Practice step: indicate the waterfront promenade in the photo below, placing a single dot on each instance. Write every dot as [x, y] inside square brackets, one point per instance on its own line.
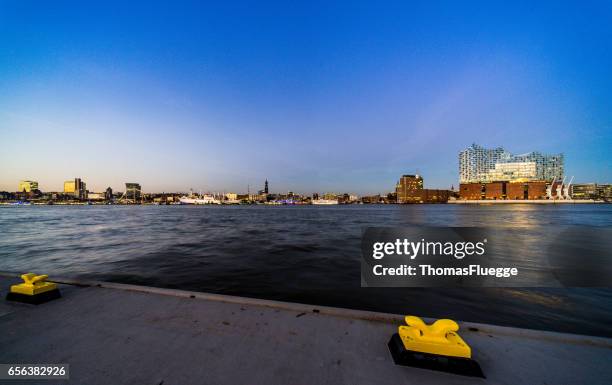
[125, 334]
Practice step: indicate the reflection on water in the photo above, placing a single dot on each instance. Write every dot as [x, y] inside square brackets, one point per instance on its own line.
[302, 254]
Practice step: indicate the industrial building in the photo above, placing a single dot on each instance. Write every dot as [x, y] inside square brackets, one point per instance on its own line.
[503, 190]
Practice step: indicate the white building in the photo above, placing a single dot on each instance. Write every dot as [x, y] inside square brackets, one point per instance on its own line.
[478, 164]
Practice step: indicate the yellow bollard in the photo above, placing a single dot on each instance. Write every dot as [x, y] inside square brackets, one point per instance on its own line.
[34, 289]
[436, 346]
[439, 338]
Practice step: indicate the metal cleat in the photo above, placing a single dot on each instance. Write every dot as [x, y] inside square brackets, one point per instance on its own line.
[34, 289]
[436, 346]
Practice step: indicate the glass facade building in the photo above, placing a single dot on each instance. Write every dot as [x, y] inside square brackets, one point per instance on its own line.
[476, 161]
[547, 167]
[478, 164]
[133, 192]
[592, 191]
[27, 186]
[76, 187]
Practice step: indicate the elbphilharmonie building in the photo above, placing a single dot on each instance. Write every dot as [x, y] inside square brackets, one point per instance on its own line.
[480, 165]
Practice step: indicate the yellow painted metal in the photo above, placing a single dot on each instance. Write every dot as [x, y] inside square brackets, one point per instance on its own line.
[438, 338]
[33, 284]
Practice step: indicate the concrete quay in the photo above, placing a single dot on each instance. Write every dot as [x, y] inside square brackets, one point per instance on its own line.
[124, 334]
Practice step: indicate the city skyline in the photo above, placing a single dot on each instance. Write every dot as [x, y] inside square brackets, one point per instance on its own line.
[476, 164]
[220, 97]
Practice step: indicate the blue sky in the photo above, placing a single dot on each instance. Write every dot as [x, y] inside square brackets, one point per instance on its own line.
[340, 97]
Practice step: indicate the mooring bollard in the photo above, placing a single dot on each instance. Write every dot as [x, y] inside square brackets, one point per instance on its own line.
[436, 346]
[35, 289]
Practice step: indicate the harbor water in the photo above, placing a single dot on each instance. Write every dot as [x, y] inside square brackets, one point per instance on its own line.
[307, 254]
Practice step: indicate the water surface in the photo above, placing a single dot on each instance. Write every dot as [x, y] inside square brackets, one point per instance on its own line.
[308, 254]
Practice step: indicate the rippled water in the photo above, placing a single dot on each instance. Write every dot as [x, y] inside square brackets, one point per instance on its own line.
[308, 254]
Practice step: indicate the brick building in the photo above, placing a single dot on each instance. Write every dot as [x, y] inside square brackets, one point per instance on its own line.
[503, 190]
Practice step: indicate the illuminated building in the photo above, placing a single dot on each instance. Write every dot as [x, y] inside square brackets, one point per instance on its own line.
[409, 189]
[478, 164]
[76, 187]
[513, 171]
[584, 191]
[476, 161]
[503, 190]
[547, 167]
[604, 191]
[69, 187]
[27, 186]
[592, 191]
[96, 196]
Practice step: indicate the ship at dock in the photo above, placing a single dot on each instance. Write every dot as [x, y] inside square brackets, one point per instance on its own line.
[324, 201]
[192, 199]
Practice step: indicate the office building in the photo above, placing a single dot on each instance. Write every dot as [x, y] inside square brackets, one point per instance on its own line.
[27, 186]
[604, 192]
[585, 191]
[108, 194]
[409, 189]
[76, 188]
[593, 191]
[96, 196]
[133, 192]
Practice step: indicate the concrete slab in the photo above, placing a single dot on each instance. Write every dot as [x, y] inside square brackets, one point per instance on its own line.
[124, 334]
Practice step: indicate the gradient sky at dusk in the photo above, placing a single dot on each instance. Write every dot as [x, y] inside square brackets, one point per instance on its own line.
[314, 97]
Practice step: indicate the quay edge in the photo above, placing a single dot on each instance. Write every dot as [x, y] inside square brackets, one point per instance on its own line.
[116, 333]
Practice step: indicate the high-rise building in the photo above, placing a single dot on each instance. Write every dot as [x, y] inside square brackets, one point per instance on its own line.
[69, 187]
[409, 189]
[479, 165]
[76, 187]
[266, 191]
[547, 167]
[27, 186]
[476, 161]
[133, 192]
[108, 194]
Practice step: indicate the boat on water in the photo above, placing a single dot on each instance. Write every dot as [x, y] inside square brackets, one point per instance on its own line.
[203, 200]
[21, 203]
[324, 201]
[193, 199]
